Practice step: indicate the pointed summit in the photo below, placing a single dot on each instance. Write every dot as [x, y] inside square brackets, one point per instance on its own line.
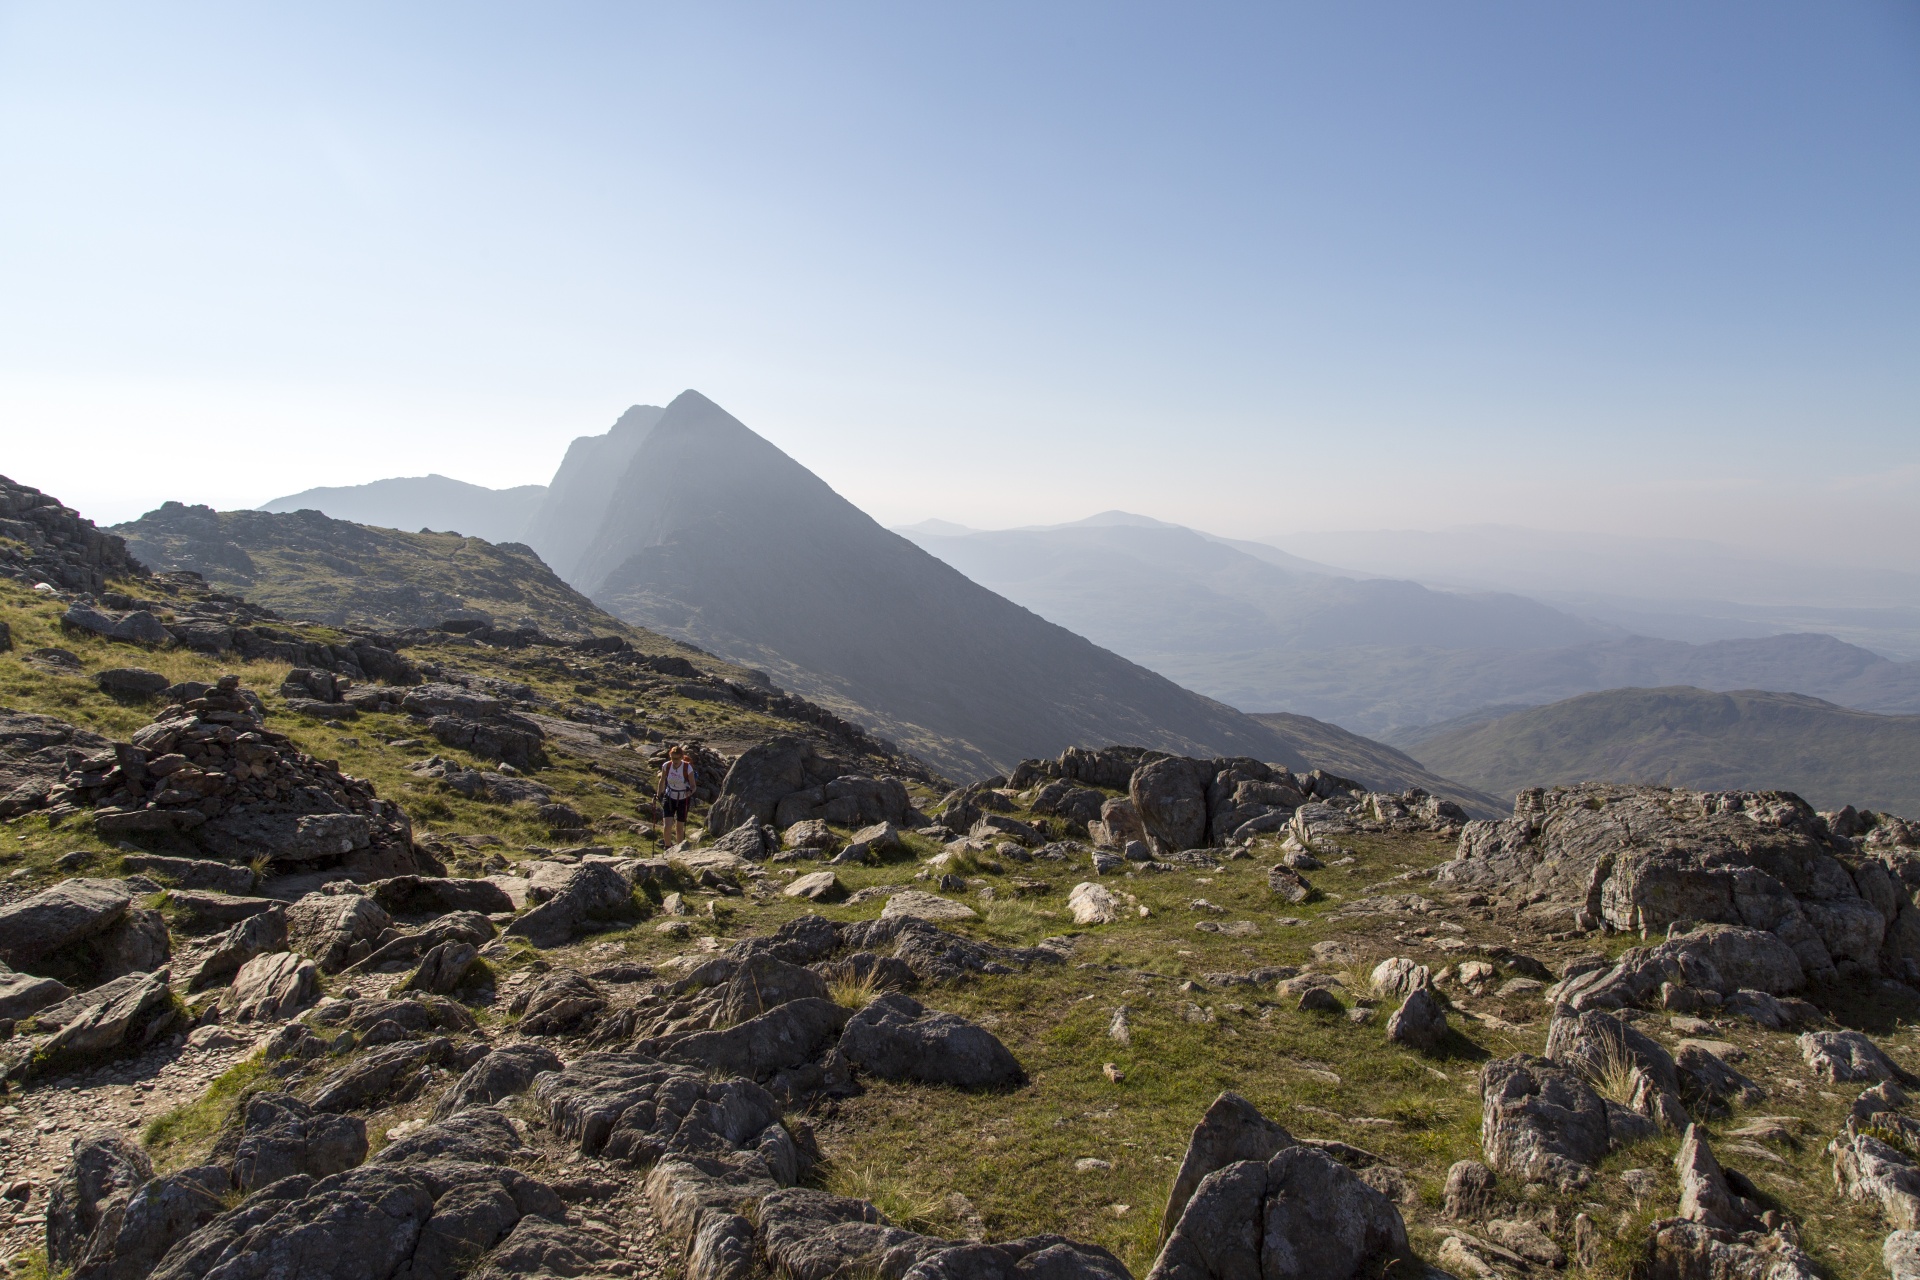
[570, 514]
[716, 536]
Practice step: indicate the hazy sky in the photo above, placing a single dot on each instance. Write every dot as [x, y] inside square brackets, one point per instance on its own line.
[1639, 267]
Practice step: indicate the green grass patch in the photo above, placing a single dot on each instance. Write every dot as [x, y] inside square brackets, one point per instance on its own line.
[177, 1138]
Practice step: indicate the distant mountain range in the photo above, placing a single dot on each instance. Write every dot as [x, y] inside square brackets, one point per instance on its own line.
[432, 502]
[1258, 629]
[1830, 755]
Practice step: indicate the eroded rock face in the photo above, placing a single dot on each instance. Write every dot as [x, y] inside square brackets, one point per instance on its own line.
[116, 1017]
[762, 982]
[789, 1035]
[563, 1001]
[503, 1073]
[1643, 858]
[635, 1108]
[1540, 1122]
[897, 1038]
[334, 930]
[1715, 958]
[590, 892]
[1680, 1249]
[1848, 1057]
[1170, 796]
[271, 988]
[103, 1165]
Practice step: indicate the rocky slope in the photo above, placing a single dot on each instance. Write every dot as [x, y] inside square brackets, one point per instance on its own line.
[424, 502]
[1378, 765]
[1692, 738]
[308, 565]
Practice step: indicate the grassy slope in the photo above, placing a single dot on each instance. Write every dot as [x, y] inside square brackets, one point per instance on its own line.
[306, 565]
[1689, 737]
[361, 746]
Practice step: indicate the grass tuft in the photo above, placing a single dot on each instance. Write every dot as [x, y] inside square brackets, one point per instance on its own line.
[174, 1138]
[907, 1206]
[854, 993]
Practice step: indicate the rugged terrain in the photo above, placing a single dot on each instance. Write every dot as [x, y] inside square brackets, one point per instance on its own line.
[335, 952]
[1691, 738]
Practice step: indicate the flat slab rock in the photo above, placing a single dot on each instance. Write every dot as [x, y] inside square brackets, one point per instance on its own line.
[919, 905]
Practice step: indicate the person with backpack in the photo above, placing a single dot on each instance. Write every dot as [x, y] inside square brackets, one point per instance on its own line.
[677, 785]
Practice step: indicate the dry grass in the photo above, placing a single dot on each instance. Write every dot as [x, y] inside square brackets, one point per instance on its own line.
[855, 993]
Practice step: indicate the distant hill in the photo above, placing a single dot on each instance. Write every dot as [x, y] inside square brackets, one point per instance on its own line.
[307, 565]
[1689, 737]
[425, 502]
[1375, 763]
[752, 556]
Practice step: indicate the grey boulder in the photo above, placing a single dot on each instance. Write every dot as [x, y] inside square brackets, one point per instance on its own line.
[897, 1038]
[102, 1165]
[53, 919]
[1540, 1122]
[280, 1136]
[591, 892]
[503, 1073]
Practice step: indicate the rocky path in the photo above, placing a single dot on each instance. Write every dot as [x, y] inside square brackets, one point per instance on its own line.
[39, 1124]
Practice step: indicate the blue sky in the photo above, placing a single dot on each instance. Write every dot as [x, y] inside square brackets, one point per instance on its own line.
[1628, 267]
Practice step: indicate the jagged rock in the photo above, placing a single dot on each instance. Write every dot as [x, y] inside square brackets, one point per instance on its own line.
[434, 895]
[1705, 1196]
[380, 1221]
[1679, 1249]
[442, 970]
[880, 840]
[819, 886]
[762, 982]
[788, 1035]
[388, 1073]
[128, 1013]
[1709, 1085]
[634, 1108]
[752, 841]
[416, 1013]
[34, 751]
[1300, 1213]
[1716, 958]
[1054, 1257]
[137, 1228]
[22, 994]
[509, 738]
[272, 988]
[200, 911]
[1867, 1168]
[1469, 1190]
[1092, 903]
[562, 1002]
[131, 682]
[138, 943]
[193, 873]
[256, 935]
[897, 1038]
[810, 834]
[279, 1136]
[481, 1135]
[1595, 1043]
[591, 892]
[503, 1073]
[938, 956]
[1170, 797]
[811, 1235]
[538, 1248]
[56, 918]
[1540, 1122]
[925, 906]
[1232, 1130]
[1397, 977]
[1420, 1023]
[456, 926]
[102, 1166]
[334, 930]
[1847, 1057]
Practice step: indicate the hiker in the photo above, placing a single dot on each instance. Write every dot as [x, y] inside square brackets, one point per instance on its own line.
[677, 784]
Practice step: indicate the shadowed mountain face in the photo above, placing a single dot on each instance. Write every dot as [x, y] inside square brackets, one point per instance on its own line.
[425, 502]
[1693, 738]
[747, 553]
[576, 500]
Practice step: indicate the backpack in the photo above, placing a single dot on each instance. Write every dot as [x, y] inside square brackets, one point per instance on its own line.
[677, 780]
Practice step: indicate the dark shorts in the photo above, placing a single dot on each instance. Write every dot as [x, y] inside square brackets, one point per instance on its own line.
[675, 810]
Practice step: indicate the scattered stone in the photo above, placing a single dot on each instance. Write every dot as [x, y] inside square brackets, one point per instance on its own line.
[1092, 903]
[1320, 999]
[918, 905]
[817, 886]
[1848, 1057]
[1469, 1191]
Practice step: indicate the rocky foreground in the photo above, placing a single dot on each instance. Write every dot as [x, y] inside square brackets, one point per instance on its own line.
[351, 958]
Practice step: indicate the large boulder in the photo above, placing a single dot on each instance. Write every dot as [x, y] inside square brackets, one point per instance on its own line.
[1300, 1213]
[54, 919]
[256, 935]
[591, 893]
[1848, 1057]
[1540, 1122]
[634, 1108]
[126, 1014]
[138, 1228]
[762, 982]
[1232, 1130]
[897, 1038]
[386, 1074]
[435, 895]
[1170, 795]
[22, 994]
[1420, 1023]
[564, 1001]
[758, 780]
[787, 1035]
